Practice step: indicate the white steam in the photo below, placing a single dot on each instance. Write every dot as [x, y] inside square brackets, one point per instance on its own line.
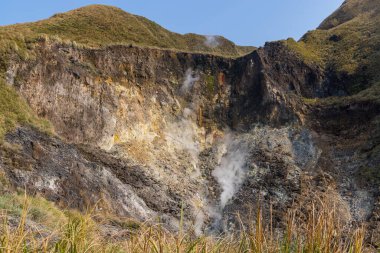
[230, 172]
[184, 137]
[199, 203]
[183, 134]
[203, 210]
[212, 41]
[188, 83]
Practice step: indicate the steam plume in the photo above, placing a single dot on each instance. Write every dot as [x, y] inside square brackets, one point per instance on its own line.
[188, 83]
[183, 134]
[212, 41]
[230, 172]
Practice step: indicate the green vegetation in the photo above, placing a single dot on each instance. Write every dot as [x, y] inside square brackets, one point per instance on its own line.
[305, 51]
[349, 10]
[348, 43]
[99, 25]
[369, 95]
[210, 84]
[12, 42]
[14, 111]
[76, 233]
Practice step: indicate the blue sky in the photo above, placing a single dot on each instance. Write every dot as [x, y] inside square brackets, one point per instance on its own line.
[246, 22]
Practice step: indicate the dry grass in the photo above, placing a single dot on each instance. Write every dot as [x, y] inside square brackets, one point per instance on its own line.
[80, 233]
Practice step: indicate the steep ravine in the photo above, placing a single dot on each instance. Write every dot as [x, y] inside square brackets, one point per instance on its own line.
[144, 132]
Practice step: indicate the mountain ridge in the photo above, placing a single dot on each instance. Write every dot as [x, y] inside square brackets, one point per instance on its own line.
[346, 45]
[91, 25]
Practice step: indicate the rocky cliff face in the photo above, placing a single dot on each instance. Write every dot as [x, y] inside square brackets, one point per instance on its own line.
[145, 132]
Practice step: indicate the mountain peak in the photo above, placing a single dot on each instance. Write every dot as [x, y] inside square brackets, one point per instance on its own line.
[349, 10]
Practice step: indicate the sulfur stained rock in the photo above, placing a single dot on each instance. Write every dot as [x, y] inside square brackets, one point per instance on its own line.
[130, 139]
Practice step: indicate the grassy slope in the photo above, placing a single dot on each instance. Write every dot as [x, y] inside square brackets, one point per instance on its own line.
[99, 25]
[14, 111]
[347, 42]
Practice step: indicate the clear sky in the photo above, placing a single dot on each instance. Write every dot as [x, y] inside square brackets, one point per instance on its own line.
[246, 22]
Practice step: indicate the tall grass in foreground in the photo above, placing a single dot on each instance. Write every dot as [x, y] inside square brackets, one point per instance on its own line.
[318, 233]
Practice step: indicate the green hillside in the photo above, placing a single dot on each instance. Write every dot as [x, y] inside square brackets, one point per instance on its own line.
[100, 25]
[347, 43]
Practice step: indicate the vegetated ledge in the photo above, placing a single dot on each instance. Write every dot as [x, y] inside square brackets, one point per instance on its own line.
[370, 95]
[15, 111]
